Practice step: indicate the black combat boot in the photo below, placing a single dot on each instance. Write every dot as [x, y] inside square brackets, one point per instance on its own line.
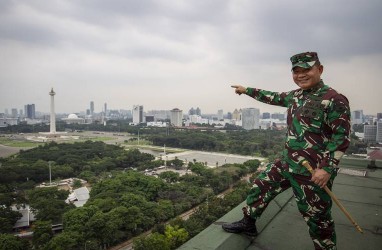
[247, 225]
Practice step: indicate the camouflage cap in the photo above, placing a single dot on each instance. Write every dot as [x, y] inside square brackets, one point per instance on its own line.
[304, 60]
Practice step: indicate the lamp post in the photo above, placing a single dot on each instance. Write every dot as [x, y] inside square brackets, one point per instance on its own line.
[165, 156]
[86, 243]
[50, 173]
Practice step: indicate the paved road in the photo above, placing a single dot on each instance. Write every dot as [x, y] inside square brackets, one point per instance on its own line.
[213, 159]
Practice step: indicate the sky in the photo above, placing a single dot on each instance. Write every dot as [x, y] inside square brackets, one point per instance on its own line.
[166, 54]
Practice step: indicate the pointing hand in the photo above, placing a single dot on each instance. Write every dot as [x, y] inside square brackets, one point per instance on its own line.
[239, 89]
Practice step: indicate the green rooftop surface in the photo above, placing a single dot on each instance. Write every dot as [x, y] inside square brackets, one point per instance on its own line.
[281, 226]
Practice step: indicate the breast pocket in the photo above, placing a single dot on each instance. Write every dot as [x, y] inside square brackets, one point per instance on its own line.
[312, 115]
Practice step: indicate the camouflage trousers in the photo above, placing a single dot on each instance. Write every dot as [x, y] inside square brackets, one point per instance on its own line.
[312, 201]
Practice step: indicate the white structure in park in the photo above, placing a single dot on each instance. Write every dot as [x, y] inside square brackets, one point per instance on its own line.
[78, 197]
[52, 134]
[74, 119]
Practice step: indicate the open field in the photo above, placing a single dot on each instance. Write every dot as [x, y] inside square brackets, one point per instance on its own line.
[19, 143]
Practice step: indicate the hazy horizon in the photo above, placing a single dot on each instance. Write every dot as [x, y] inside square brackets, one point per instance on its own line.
[181, 54]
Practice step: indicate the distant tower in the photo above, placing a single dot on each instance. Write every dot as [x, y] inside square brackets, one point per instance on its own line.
[198, 111]
[137, 114]
[91, 108]
[220, 115]
[176, 117]
[52, 114]
[30, 111]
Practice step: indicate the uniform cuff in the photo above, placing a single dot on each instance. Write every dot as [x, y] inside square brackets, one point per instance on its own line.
[249, 91]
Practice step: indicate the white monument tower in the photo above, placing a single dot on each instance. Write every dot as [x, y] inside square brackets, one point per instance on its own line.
[52, 114]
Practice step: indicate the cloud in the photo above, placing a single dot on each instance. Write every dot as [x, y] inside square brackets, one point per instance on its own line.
[178, 53]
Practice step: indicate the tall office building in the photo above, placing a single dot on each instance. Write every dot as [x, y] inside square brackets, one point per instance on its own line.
[105, 108]
[251, 118]
[379, 132]
[91, 108]
[236, 115]
[369, 119]
[220, 114]
[160, 114]
[266, 115]
[357, 117]
[370, 133]
[14, 113]
[150, 118]
[198, 111]
[137, 114]
[278, 116]
[30, 111]
[176, 117]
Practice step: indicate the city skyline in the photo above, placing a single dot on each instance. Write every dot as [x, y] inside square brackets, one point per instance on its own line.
[166, 55]
[185, 111]
[145, 110]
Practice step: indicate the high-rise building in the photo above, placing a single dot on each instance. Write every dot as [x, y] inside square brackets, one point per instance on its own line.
[198, 111]
[379, 116]
[220, 114]
[357, 117]
[369, 119]
[278, 116]
[30, 111]
[236, 115]
[266, 115]
[105, 108]
[150, 118]
[14, 113]
[137, 114]
[91, 108]
[379, 132]
[176, 117]
[370, 133]
[251, 118]
[160, 114]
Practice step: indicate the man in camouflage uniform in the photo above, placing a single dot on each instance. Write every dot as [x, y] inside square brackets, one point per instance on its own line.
[318, 132]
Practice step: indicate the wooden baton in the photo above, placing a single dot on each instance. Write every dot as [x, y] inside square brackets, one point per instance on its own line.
[334, 198]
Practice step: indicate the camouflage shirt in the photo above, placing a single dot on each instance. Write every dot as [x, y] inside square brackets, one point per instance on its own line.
[318, 125]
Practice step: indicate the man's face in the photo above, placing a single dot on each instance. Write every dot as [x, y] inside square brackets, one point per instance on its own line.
[307, 78]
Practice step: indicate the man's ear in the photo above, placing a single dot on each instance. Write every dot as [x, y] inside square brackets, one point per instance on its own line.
[321, 68]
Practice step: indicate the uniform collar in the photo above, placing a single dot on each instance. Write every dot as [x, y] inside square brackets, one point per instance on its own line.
[313, 90]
